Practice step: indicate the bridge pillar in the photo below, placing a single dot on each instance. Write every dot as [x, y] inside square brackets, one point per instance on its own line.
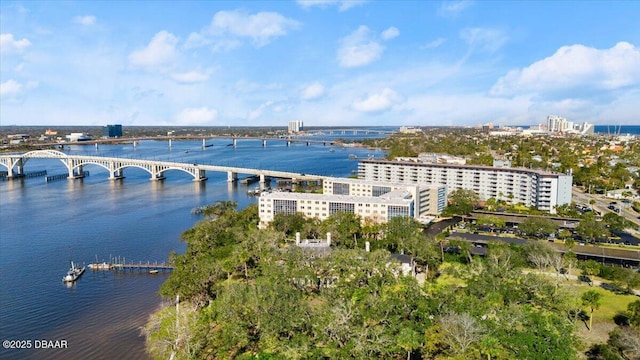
[113, 173]
[264, 143]
[20, 169]
[75, 172]
[288, 142]
[204, 144]
[169, 143]
[71, 165]
[235, 142]
[116, 174]
[262, 179]
[201, 175]
[156, 173]
[307, 143]
[232, 176]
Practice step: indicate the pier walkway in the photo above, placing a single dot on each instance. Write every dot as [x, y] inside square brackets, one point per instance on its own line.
[131, 266]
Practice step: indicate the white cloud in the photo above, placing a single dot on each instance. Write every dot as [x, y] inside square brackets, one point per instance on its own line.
[8, 44]
[12, 88]
[190, 77]
[359, 48]
[195, 40]
[343, 5]
[261, 27]
[378, 102]
[161, 50]
[575, 67]
[453, 8]
[196, 116]
[313, 91]
[484, 39]
[256, 113]
[434, 44]
[85, 20]
[390, 33]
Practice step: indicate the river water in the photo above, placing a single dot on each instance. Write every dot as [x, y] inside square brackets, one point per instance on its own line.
[43, 226]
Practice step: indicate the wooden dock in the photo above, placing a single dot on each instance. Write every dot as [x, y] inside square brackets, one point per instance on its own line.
[140, 266]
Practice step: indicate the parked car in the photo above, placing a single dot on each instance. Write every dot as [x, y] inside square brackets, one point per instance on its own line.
[584, 278]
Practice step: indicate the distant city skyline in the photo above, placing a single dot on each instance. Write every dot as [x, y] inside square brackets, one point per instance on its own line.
[323, 62]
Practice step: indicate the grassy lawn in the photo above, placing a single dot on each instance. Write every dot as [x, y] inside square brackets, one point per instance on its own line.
[448, 276]
[610, 303]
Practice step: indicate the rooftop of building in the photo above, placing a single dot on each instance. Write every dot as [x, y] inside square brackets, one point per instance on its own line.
[400, 197]
[470, 167]
[378, 183]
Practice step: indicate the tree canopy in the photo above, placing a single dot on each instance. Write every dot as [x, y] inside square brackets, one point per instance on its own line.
[249, 294]
[461, 202]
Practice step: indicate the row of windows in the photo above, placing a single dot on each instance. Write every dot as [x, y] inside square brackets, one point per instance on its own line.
[412, 172]
[288, 207]
[380, 190]
[394, 211]
[340, 189]
[335, 207]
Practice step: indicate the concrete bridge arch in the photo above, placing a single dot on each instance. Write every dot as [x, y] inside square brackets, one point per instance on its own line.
[13, 161]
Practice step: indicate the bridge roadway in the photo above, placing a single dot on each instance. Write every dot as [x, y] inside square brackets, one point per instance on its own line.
[310, 137]
[157, 169]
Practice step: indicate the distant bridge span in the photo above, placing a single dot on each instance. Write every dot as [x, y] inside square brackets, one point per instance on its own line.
[115, 166]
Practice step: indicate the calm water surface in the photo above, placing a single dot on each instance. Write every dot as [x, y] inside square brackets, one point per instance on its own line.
[45, 225]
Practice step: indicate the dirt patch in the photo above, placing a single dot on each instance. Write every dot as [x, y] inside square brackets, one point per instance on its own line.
[598, 335]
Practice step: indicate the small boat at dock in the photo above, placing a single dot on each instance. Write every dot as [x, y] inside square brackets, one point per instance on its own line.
[154, 271]
[73, 274]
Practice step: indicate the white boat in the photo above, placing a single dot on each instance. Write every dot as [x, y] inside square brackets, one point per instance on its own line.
[73, 274]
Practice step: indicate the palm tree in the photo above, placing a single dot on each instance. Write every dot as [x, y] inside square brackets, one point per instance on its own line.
[409, 340]
[591, 299]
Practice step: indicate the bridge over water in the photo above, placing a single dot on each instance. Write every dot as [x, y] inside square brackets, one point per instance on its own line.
[324, 137]
[14, 163]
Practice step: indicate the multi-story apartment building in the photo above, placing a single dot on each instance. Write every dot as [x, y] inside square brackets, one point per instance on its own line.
[429, 199]
[295, 126]
[112, 131]
[559, 124]
[530, 187]
[379, 209]
[376, 201]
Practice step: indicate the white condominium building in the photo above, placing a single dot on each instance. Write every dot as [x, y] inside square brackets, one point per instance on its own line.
[429, 199]
[295, 126]
[542, 189]
[320, 206]
[376, 201]
[559, 124]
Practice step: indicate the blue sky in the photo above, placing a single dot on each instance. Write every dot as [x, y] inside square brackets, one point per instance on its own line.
[327, 63]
